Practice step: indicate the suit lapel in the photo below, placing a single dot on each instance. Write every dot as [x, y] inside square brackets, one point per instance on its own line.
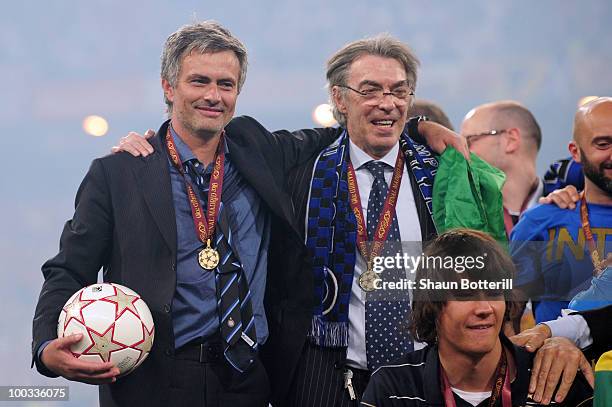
[253, 167]
[153, 179]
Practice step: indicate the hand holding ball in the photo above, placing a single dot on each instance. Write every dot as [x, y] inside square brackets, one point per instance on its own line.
[116, 324]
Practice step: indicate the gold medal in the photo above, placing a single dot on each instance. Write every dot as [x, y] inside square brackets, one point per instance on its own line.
[596, 260]
[208, 257]
[367, 281]
[600, 265]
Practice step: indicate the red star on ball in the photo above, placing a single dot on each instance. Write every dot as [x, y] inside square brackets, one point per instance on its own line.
[122, 302]
[74, 310]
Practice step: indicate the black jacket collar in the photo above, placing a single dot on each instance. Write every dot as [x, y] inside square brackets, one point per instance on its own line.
[153, 179]
[519, 387]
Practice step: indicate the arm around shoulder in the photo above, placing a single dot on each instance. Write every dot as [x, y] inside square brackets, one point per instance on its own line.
[290, 148]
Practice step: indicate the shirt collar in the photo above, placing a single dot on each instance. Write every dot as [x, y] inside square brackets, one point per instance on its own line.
[183, 149]
[360, 157]
[536, 194]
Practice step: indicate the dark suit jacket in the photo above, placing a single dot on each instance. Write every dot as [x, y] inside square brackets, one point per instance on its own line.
[599, 324]
[124, 222]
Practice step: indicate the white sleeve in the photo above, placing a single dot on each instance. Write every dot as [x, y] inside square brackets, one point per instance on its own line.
[572, 327]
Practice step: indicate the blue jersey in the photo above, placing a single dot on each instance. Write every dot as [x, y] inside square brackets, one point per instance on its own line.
[562, 173]
[548, 247]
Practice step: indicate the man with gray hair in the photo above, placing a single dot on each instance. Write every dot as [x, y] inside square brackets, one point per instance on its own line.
[203, 277]
[359, 197]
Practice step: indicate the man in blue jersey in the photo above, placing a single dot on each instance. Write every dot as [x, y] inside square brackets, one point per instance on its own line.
[562, 173]
[561, 252]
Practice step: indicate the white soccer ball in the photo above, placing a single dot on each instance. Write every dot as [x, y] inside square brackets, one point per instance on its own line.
[116, 324]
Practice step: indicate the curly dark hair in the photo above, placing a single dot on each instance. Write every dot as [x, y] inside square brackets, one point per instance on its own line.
[428, 303]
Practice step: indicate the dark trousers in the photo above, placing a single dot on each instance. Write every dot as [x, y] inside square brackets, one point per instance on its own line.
[319, 379]
[202, 377]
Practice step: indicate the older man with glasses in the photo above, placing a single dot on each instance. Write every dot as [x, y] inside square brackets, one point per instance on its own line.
[374, 168]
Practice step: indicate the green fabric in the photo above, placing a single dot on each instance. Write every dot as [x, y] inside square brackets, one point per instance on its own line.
[468, 195]
[603, 381]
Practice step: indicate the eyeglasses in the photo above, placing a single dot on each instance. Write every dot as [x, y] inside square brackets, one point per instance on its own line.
[401, 94]
[471, 137]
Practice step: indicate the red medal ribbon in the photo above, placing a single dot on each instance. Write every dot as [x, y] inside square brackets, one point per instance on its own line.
[204, 222]
[501, 386]
[385, 220]
[598, 263]
[508, 222]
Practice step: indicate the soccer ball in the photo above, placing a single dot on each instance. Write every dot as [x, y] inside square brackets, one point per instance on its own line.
[116, 324]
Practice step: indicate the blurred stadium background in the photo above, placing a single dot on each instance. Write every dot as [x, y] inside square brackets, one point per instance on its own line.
[62, 61]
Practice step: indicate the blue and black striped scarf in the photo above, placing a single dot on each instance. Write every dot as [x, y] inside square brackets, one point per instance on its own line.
[331, 235]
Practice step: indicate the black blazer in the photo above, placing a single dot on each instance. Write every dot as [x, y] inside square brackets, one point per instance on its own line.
[598, 321]
[124, 223]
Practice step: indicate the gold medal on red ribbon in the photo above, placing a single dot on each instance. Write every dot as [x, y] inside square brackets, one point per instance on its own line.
[204, 222]
[367, 279]
[208, 257]
[599, 264]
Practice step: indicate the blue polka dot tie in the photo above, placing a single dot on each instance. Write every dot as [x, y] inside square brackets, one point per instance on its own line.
[387, 311]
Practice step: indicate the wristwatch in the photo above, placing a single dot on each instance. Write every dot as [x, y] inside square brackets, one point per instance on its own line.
[413, 128]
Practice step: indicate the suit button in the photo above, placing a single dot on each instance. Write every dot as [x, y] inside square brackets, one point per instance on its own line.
[168, 352]
[166, 308]
[173, 266]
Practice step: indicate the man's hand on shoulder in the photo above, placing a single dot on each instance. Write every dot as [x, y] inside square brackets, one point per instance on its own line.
[135, 144]
[564, 198]
[439, 137]
[57, 357]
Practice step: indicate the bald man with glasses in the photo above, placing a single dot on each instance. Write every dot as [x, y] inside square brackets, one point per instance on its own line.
[506, 135]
